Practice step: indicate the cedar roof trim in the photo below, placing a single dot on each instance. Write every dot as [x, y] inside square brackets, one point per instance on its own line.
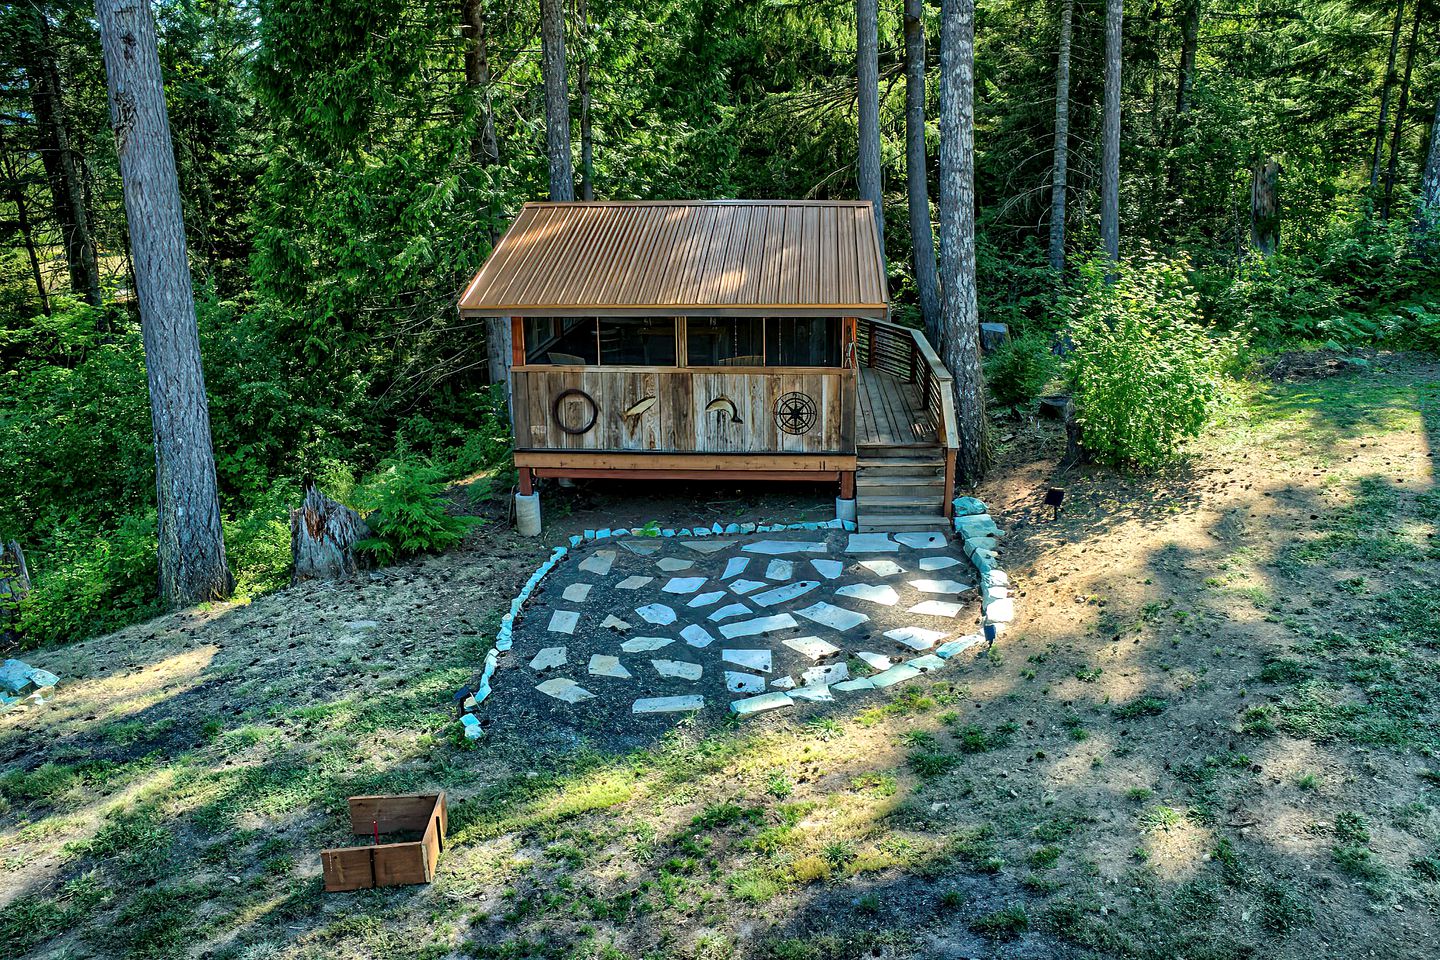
[659, 258]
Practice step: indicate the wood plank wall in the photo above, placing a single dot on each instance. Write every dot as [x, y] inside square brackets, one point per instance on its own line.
[678, 421]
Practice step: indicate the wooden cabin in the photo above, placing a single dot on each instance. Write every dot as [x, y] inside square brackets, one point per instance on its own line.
[726, 340]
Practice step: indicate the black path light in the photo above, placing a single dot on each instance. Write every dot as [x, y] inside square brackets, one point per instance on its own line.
[1054, 497]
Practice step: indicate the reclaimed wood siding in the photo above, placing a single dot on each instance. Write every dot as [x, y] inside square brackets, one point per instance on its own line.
[678, 422]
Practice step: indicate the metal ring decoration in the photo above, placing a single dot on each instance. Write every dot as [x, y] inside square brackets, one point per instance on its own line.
[589, 424]
[795, 413]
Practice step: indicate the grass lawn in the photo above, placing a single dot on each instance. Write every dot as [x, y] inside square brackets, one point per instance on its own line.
[1211, 734]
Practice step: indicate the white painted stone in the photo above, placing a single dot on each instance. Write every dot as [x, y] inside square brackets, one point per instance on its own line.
[1000, 611]
[645, 644]
[728, 611]
[642, 548]
[669, 704]
[825, 675]
[674, 564]
[779, 570]
[613, 622]
[979, 525]
[766, 701]
[856, 683]
[696, 635]
[707, 546]
[776, 548]
[633, 583]
[812, 647]
[996, 593]
[873, 592]
[785, 593]
[829, 615]
[926, 663]
[940, 586]
[548, 658]
[937, 608]
[815, 693]
[563, 621]
[656, 613]
[882, 568]
[916, 638]
[752, 628]
[563, 688]
[734, 567]
[705, 599]
[683, 584]
[957, 646]
[743, 587]
[576, 592]
[758, 660]
[922, 541]
[737, 682]
[599, 562]
[875, 661]
[895, 674]
[939, 563]
[829, 569]
[783, 683]
[997, 578]
[677, 669]
[605, 665]
[871, 543]
[973, 544]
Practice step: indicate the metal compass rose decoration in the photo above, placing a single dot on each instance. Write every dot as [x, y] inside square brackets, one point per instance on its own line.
[795, 413]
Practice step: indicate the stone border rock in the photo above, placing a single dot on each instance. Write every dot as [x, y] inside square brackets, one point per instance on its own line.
[980, 538]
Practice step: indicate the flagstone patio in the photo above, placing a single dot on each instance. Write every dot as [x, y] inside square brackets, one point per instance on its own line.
[635, 626]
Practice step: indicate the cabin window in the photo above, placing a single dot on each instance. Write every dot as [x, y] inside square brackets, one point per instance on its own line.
[802, 342]
[637, 341]
[566, 341]
[724, 342]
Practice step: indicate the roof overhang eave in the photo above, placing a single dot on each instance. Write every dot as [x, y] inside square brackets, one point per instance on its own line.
[877, 311]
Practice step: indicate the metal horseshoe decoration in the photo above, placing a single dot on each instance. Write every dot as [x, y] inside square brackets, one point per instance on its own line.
[560, 399]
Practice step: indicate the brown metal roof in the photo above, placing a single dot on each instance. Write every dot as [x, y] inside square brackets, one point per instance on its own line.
[669, 258]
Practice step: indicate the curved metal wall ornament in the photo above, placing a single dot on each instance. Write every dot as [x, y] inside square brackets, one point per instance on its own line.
[795, 413]
[560, 399]
[727, 406]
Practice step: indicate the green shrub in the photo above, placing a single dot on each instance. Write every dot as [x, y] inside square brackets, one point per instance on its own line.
[408, 512]
[1019, 369]
[1145, 375]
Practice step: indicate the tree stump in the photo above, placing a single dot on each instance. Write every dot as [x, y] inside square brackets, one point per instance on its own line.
[14, 585]
[323, 534]
[1075, 452]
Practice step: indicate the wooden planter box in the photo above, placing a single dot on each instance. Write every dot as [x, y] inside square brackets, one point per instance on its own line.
[389, 864]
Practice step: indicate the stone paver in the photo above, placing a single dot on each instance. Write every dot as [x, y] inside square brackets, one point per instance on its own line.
[563, 621]
[696, 635]
[829, 615]
[678, 669]
[669, 704]
[737, 682]
[729, 611]
[645, 644]
[883, 568]
[674, 564]
[548, 658]
[749, 659]
[871, 543]
[783, 594]
[734, 567]
[829, 569]
[606, 665]
[576, 592]
[598, 563]
[937, 608]
[657, 613]
[752, 628]
[684, 584]
[941, 586]
[633, 583]
[706, 599]
[922, 541]
[875, 593]
[812, 647]
[939, 563]
[766, 701]
[779, 570]
[784, 547]
[743, 586]
[563, 688]
[916, 638]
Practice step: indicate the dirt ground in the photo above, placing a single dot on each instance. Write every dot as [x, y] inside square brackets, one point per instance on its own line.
[1212, 733]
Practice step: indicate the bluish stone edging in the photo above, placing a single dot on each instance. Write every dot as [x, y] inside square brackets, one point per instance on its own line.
[979, 536]
[504, 638]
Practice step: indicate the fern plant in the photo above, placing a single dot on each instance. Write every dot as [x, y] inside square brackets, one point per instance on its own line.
[408, 514]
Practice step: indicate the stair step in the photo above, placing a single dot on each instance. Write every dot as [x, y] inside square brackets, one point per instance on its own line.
[906, 504]
[902, 486]
[900, 466]
[929, 451]
[869, 523]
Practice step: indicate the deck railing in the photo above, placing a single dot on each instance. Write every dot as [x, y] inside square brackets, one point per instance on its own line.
[905, 353]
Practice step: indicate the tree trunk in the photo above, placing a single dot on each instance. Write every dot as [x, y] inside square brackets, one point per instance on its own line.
[323, 534]
[1427, 204]
[1400, 116]
[485, 148]
[14, 585]
[587, 141]
[961, 341]
[67, 195]
[1059, 171]
[1265, 207]
[922, 241]
[557, 99]
[1385, 86]
[1189, 44]
[22, 220]
[1110, 152]
[192, 545]
[867, 71]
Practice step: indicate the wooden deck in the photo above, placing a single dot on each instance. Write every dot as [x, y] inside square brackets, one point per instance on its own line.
[891, 413]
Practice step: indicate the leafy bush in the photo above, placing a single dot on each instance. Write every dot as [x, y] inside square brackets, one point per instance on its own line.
[1145, 374]
[1019, 369]
[408, 512]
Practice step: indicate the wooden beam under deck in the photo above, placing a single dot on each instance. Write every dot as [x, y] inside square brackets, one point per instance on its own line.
[567, 463]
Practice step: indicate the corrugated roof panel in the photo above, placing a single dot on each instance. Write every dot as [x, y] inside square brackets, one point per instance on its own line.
[684, 257]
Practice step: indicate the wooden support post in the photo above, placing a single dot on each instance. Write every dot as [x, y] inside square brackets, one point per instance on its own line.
[847, 485]
[527, 481]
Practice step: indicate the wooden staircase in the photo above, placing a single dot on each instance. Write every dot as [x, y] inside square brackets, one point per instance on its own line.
[900, 487]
